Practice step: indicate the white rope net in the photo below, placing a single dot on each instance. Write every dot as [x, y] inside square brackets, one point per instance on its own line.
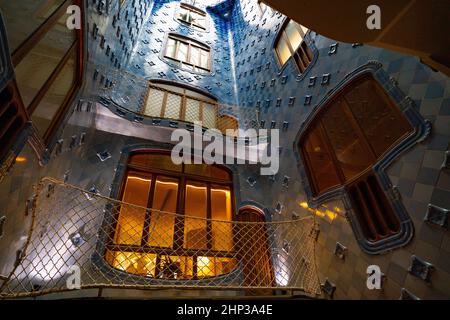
[101, 238]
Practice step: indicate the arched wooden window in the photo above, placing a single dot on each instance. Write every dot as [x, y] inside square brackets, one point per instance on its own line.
[154, 244]
[290, 43]
[340, 146]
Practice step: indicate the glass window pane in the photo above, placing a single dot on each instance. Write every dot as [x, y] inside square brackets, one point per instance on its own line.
[224, 265]
[192, 110]
[195, 206]
[304, 29]
[206, 267]
[154, 102]
[45, 112]
[382, 124]
[174, 267]
[204, 59]
[182, 51]
[195, 56]
[283, 51]
[173, 106]
[200, 21]
[162, 224]
[37, 66]
[137, 263]
[209, 116]
[23, 17]
[352, 154]
[320, 164]
[130, 223]
[183, 14]
[171, 46]
[293, 34]
[221, 210]
[212, 266]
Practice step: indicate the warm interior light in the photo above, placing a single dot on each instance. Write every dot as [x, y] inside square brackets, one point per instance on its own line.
[205, 267]
[138, 178]
[21, 159]
[330, 214]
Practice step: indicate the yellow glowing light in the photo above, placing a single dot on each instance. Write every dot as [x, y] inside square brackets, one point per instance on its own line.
[195, 187]
[205, 267]
[139, 178]
[330, 214]
[227, 192]
[21, 159]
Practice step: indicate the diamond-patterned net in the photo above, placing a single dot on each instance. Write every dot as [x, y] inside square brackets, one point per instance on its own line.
[110, 246]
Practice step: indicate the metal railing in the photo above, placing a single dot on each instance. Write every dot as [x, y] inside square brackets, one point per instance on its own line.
[78, 233]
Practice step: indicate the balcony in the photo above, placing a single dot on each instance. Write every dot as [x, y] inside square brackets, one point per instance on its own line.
[141, 100]
[74, 232]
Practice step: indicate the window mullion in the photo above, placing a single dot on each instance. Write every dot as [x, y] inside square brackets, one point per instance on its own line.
[177, 48]
[164, 104]
[148, 213]
[178, 235]
[183, 106]
[188, 56]
[209, 216]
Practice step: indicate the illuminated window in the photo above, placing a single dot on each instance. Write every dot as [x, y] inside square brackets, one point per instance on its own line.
[290, 43]
[351, 133]
[192, 16]
[163, 245]
[189, 54]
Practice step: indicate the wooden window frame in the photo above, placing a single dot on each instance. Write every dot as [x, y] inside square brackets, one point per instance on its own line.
[191, 8]
[372, 207]
[178, 236]
[299, 53]
[190, 43]
[78, 46]
[359, 132]
[184, 97]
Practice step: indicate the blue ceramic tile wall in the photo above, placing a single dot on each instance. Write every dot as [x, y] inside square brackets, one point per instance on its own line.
[246, 72]
[147, 59]
[285, 96]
